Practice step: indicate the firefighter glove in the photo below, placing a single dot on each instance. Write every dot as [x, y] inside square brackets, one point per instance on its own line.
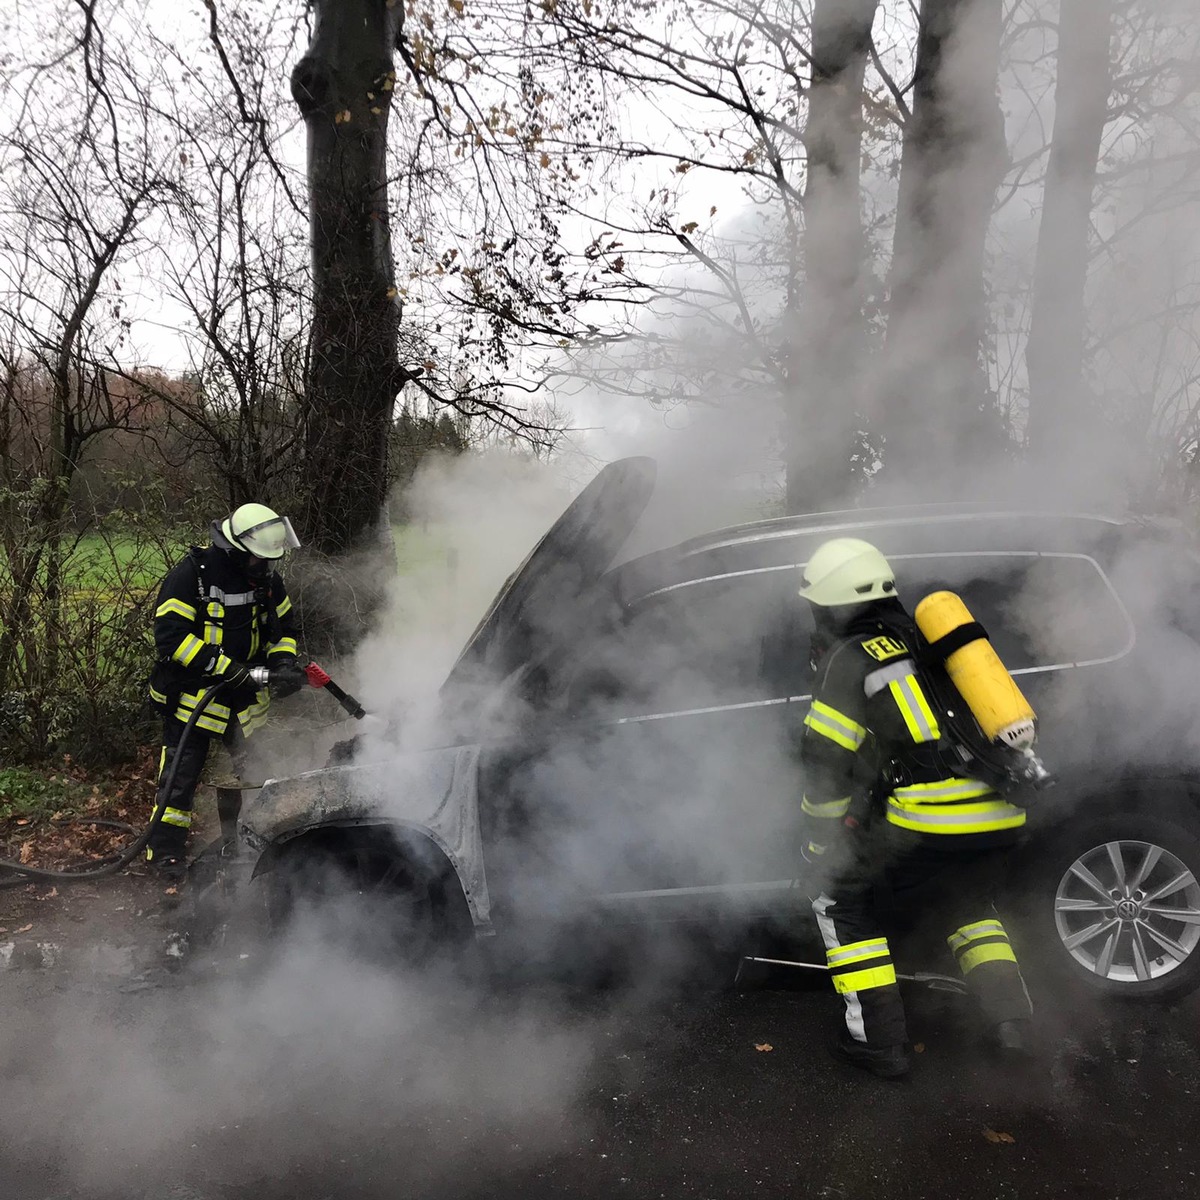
[237, 675]
[287, 679]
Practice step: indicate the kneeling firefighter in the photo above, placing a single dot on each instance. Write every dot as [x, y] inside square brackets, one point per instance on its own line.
[912, 836]
[223, 618]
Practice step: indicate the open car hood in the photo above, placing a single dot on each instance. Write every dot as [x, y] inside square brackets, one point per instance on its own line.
[538, 598]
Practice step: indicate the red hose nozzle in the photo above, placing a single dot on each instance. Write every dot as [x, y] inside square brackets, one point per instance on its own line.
[316, 676]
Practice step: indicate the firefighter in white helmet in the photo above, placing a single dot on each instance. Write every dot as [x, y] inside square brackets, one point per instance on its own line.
[223, 616]
[894, 817]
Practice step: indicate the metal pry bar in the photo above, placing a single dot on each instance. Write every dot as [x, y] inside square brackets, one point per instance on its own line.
[929, 979]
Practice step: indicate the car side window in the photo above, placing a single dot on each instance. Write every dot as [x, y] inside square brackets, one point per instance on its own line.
[1039, 610]
[713, 643]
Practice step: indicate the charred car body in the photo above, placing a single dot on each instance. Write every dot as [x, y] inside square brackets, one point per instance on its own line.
[615, 741]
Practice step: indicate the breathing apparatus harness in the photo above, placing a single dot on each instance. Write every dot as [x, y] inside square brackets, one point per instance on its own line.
[963, 748]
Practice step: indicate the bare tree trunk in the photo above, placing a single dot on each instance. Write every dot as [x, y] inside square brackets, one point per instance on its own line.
[343, 86]
[937, 406]
[1054, 354]
[824, 375]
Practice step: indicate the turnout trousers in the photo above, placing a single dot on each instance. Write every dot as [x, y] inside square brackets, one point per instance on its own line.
[169, 838]
[929, 889]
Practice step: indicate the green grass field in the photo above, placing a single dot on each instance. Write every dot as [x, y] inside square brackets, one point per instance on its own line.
[115, 563]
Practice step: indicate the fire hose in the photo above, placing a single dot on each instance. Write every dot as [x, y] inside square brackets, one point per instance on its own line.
[317, 678]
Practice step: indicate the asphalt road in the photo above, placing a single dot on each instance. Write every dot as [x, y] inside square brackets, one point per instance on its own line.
[310, 1076]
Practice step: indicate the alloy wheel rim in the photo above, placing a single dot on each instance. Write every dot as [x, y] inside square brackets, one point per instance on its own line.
[1128, 911]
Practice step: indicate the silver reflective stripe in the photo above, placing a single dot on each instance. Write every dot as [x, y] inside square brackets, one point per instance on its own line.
[954, 789]
[825, 808]
[973, 933]
[1001, 812]
[875, 948]
[878, 680]
[855, 1025]
[821, 713]
[230, 599]
[905, 687]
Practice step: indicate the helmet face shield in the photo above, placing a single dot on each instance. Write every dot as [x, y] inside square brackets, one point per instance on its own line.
[269, 539]
[256, 530]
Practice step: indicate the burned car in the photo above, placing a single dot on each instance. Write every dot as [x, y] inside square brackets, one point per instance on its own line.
[615, 741]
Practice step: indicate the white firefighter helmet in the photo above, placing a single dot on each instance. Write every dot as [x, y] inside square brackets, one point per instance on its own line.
[847, 571]
[260, 531]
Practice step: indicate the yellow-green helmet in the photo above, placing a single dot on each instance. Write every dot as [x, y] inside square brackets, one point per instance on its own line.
[260, 531]
[847, 571]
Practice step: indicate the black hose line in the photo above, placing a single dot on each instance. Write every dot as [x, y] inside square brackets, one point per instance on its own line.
[118, 862]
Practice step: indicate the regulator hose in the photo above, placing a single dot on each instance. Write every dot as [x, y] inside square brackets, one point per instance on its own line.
[120, 861]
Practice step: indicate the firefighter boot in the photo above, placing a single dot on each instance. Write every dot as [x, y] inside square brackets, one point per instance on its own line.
[885, 1062]
[1011, 1039]
[169, 868]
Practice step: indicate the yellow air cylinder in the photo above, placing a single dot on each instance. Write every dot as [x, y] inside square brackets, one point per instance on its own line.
[976, 671]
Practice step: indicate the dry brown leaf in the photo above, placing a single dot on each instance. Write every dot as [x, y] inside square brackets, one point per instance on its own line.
[765, 1047]
[919, 1048]
[26, 852]
[50, 894]
[23, 821]
[172, 891]
[25, 928]
[997, 1138]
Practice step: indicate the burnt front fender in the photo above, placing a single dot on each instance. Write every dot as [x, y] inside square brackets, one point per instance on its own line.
[432, 794]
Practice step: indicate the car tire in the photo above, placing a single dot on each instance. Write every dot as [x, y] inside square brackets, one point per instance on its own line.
[1115, 906]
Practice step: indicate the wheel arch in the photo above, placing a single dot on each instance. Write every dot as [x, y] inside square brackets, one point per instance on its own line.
[1172, 795]
[419, 847]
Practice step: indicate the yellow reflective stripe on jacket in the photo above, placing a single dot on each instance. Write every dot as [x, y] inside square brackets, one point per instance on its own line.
[213, 708]
[157, 697]
[995, 952]
[284, 607]
[213, 626]
[255, 716]
[827, 808]
[943, 791]
[857, 951]
[177, 816]
[178, 607]
[188, 649]
[836, 726]
[285, 645]
[861, 981]
[208, 723]
[987, 817]
[914, 708]
[972, 933]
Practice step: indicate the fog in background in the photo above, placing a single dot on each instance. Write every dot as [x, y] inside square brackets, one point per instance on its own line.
[316, 1054]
